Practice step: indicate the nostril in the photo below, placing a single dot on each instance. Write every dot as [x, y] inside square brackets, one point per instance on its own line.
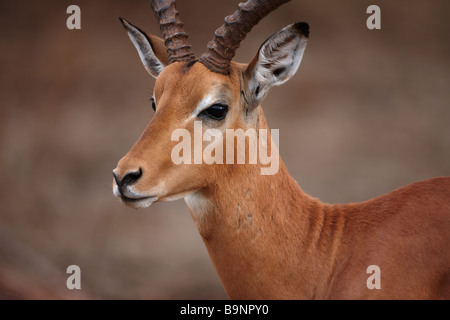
[131, 177]
[128, 178]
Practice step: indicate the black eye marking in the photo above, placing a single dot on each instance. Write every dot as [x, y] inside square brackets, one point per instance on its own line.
[153, 104]
[279, 71]
[258, 88]
[216, 111]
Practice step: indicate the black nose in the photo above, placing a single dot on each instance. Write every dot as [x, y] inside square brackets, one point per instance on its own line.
[128, 179]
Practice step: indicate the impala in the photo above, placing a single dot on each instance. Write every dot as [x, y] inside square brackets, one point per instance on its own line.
[266, 237]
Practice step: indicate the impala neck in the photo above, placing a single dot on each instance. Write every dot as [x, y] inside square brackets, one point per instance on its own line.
[262, 233]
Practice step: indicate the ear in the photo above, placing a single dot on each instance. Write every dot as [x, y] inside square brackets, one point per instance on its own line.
[277, 60]
[151, 49]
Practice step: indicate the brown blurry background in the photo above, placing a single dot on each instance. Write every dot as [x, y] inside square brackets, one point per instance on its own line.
[368, 111]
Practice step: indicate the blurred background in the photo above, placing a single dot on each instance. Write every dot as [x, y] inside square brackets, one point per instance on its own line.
[367, 112]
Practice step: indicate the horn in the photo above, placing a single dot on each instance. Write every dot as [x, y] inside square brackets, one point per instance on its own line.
[175, 38]
[227, 38]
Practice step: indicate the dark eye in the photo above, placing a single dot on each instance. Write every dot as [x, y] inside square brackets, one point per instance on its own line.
[153, 104]
[216, 111]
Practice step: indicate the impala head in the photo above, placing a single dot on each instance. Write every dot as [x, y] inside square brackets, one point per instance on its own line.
[213, 89]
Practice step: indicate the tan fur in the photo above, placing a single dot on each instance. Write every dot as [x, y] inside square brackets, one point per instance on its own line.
[270, 240]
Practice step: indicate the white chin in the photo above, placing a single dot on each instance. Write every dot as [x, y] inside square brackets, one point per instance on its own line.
[139, 204]
[144, 203]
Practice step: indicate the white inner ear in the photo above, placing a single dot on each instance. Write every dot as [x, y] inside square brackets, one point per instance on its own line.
[278, 60]
[151, 63]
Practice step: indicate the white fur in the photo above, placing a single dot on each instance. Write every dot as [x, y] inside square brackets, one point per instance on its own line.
[205, 103]
[151, 63]
[144, 203]
[275, 55]
[198, 205]
[116, 191]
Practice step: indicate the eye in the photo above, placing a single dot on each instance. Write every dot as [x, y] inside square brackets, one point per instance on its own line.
[153, 104]
[216, 111]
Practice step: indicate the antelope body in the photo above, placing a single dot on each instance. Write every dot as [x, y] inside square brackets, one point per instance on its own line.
[266, 237]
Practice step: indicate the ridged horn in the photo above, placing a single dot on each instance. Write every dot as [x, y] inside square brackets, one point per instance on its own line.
[175, 38]
[221, 50]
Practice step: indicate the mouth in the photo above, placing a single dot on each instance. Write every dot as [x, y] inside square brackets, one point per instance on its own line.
[142, 202]
[134, 199]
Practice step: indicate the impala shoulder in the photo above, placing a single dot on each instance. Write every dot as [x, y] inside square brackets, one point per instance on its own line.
[438, 187]
[425, 201]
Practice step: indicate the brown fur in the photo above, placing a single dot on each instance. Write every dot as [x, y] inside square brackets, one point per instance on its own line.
[270, 240]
